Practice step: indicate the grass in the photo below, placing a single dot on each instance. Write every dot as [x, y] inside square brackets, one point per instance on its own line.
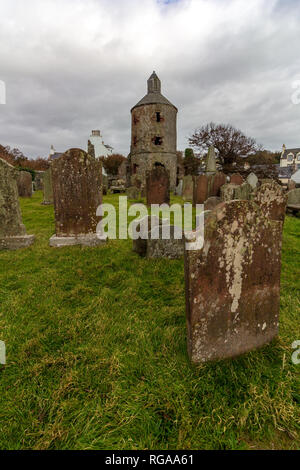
[96, 354]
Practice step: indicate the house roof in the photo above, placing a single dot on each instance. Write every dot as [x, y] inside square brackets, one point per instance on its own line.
[287, 151]
[55, 155]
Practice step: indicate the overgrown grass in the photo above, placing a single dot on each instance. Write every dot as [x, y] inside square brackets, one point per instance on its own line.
[96, 354]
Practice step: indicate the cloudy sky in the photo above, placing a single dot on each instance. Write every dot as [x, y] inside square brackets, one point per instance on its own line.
[71, 66]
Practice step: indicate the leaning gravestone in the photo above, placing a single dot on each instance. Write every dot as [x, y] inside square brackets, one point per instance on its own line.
[12, 231]
[77, 191]
[233, 283]
[271, 199]
[24, 182]
[187, 188]
[47, 188]
[158, 186]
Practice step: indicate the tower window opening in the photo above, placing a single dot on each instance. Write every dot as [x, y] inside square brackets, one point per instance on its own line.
[157, 140]
[135, 167]
[158, 117]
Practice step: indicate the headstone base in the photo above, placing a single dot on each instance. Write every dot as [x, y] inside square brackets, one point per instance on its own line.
[84, 240]
[17, 242]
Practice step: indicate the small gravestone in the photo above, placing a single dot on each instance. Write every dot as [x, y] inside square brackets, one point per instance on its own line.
[39, 175]
[187, 188]
[227, 191]
[77, 192]
[236, 178]
[212, 202]
[47, 187]
[233, 283]
[243, 191]
[165, 241]
[12, 231]
[132, 192]
[141, 228]
[158, 186]
[200, 189]
[210, 165]
[293, 200]
[252, 180]
[272, 200]
[24, 182]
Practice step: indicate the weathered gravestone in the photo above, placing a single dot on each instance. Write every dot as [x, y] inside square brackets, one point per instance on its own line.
[187, 188]
[231, 191]
[271, 199]
[291, 185]
[236, 178]
[77, 191]
[200, 193]
[211, 203]
[252, 180]
[47, 187]
[158, 186]
[157, 238]
[12, 231]
[233, 283]
[132, 192]
[39, 175]
[227, 191]
[24, 182]
[207, 186]
[178, 190]
[210, 164]
[293, 200]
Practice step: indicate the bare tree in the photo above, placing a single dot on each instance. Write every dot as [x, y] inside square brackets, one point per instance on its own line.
[231, 143]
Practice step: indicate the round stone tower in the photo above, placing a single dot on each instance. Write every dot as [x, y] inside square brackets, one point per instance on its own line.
[153, 133]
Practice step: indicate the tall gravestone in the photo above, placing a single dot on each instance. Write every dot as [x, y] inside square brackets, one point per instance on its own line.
[77, 192]
[12, 231]
[200, 189]
[158, 186]
[210, 164]
[233, 283]
[24, 182]
[271, 199]
[187, 188]
[47, 187]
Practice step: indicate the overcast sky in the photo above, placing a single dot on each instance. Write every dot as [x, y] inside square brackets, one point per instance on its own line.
[71, 66]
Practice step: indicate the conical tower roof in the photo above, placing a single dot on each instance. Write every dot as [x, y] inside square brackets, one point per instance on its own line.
[154, 93]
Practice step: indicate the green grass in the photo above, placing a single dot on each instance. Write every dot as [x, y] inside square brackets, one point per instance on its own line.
[96, 354]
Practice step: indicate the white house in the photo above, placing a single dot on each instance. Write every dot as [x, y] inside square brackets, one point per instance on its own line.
[100, 148]
[290, 157]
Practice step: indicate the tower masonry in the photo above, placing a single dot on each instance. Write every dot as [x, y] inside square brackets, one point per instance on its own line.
[153, 133]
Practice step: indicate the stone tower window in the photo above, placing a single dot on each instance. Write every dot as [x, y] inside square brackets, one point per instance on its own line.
[157, 140]
[157, 117]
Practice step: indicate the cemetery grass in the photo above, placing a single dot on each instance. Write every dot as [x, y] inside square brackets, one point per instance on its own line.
[96, 354]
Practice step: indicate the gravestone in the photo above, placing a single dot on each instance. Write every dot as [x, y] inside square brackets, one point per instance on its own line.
[187, 188]
[157, 238]
[210, 165]
[227, 191]
[178, 190]
[236, 178]
[211, 203]
[12, 230]
[24, 182]
[233, 283]
[270, 197]
[47, 187]
[200, 189]
[158, 186]
[252, 180]
[132, 192]
[39, 175]
[243, 191]
[293, 200]
[215, 182]
[77, 192]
